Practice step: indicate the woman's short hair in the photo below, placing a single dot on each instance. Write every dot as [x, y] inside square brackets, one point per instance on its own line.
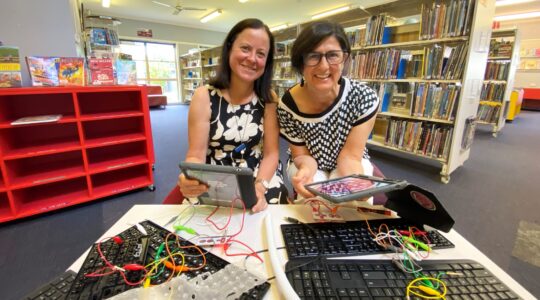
[263, 84]
[311, 36]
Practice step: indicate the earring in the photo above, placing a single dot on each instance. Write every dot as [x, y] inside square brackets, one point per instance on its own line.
[302, 82]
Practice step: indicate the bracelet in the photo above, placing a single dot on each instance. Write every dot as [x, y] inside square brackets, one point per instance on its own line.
[264, 183]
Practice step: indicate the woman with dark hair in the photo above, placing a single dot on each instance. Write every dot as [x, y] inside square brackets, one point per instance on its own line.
[233, 121]
[326, 118]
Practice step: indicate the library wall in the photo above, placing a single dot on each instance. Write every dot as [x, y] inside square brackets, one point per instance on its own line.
[167, 32]
[528, 31]
[39, 28]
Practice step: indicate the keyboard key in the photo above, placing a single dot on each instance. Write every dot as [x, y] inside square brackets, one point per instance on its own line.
[374, 275]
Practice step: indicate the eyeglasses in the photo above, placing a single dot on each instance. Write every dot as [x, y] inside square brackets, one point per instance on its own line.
[332, 57]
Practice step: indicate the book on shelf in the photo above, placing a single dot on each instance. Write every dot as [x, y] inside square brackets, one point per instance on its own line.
[10, 67]
[468, 133]
[445, 19]
[493, 91]
[126, 72]
[101, 71]
[98, 36]
[375, 27]
[37, 119]
[43, 70]
[497, 70]
[435, 101]
[71, 71]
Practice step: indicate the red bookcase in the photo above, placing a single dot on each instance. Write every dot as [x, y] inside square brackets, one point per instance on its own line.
[101, 146]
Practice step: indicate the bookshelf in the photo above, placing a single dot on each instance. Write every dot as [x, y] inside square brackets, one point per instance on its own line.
[499, 77]
[101, 146]
[210, 59]
[190, 74]
[424, 74]
[284, 76]
[100, 35]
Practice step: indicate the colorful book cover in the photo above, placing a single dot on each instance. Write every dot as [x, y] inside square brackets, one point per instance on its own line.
[71, 71]
[99, 36]
[101, 71]
[10, 67]
[126, 72]
[43, 70]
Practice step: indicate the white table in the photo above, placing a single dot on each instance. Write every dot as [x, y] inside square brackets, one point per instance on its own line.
[254, 234]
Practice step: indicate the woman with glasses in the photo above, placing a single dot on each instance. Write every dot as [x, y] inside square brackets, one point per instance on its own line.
[326, 118]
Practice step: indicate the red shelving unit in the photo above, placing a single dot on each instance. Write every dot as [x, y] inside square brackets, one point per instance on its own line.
[101, 146]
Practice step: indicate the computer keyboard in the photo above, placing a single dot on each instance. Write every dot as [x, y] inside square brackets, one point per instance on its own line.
[346, 239]
[55, 289]
[381, 280]
[135, 248]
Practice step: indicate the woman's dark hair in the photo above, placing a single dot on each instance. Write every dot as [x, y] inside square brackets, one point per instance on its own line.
[263, 84]
[311, 36]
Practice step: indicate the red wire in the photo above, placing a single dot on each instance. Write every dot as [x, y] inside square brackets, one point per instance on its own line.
[112, 268]
[231, 239]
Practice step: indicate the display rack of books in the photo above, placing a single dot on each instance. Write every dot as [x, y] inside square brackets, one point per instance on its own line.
[61, 146]
[284, 76]
[190, 74]
[498, 79]
[101, 36]
[424, 76]
[210, 59]
[102, 48]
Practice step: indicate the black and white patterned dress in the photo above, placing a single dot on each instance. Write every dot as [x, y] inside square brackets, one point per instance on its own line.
[325, 133]
[236, 127]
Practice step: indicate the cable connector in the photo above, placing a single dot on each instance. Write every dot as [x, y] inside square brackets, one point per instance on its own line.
[117, 268]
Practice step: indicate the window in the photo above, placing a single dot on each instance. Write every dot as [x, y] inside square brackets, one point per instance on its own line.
[156, 65]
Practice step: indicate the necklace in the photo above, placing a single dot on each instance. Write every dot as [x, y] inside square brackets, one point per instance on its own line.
[243, 144]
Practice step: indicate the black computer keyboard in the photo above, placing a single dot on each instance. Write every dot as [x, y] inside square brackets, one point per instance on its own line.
[55, 289]
[346, 239]
[139, 249]
[381, 280]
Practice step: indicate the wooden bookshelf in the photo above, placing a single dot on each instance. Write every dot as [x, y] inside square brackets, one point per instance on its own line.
[498, 79]
[101, 146]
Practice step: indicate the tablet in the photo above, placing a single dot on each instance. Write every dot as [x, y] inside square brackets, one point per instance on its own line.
[353, 187]
[225, 184]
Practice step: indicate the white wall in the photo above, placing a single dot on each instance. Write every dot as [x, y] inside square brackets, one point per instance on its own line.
[529, 31]
[167, 32]
[40, 28]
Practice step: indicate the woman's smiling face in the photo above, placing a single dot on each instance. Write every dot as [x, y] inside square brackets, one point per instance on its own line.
[249, 53]
[324, 76]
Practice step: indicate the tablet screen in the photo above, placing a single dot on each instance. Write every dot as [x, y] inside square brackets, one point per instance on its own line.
[346, 186]
[220, 185]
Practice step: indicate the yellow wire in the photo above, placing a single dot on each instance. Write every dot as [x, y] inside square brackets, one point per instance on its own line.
[163, 259]
[411, 286]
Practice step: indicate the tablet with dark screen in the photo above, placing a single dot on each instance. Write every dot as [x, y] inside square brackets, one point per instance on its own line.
[225, 184]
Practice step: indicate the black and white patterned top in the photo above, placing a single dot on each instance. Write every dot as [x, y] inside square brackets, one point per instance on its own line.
[236, 139]
[325, 133]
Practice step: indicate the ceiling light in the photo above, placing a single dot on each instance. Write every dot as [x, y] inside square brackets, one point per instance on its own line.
[242, 1]
[106, 3]
[528, 15]
[210, 16]
[279, 27]
[331, 12]
[510, 2]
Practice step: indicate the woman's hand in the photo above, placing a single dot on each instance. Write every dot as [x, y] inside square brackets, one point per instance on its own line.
[302, 177]
[191, 188]
[261, 205]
